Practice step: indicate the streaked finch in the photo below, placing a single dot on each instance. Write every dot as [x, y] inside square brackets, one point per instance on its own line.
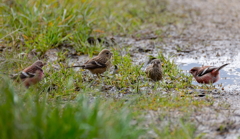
[32, 74]
[154, 70]
[98, 64]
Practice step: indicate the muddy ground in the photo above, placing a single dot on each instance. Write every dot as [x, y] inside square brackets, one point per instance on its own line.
[210, 36]
[207, 35]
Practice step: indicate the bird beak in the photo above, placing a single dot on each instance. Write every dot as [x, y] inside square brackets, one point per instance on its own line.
[155, 64]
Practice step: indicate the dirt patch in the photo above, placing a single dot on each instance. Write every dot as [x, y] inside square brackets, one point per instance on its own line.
[210, 36]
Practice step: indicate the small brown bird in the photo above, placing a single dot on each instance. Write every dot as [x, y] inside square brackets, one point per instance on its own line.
[32, 74]
[154, 70]
[98, 64]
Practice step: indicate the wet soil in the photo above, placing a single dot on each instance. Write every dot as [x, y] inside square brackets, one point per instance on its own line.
[208, 35]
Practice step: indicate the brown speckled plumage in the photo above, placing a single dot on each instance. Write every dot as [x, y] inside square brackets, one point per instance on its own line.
[154, 70]
[98, 64]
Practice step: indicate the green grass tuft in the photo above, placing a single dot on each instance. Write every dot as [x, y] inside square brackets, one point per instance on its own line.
[25, 115]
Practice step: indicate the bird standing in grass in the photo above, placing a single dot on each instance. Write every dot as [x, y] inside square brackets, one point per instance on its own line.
[154, 70]
[206, 74]
[98, 64]
[32, 74]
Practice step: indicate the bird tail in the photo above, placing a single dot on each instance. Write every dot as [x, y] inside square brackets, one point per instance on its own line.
[14, 76]
[82, 66]
[219, 68]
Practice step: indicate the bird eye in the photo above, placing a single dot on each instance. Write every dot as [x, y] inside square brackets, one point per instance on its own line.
[107, 53]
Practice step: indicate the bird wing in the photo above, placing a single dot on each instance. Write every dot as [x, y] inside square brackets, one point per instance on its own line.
[32, 69]
[24, 75]
[206, 70]
[94, 64]
[29, 72]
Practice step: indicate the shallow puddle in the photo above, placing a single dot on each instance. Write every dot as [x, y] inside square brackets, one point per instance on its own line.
[228, 79]
[221, 52]
[197, 53]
